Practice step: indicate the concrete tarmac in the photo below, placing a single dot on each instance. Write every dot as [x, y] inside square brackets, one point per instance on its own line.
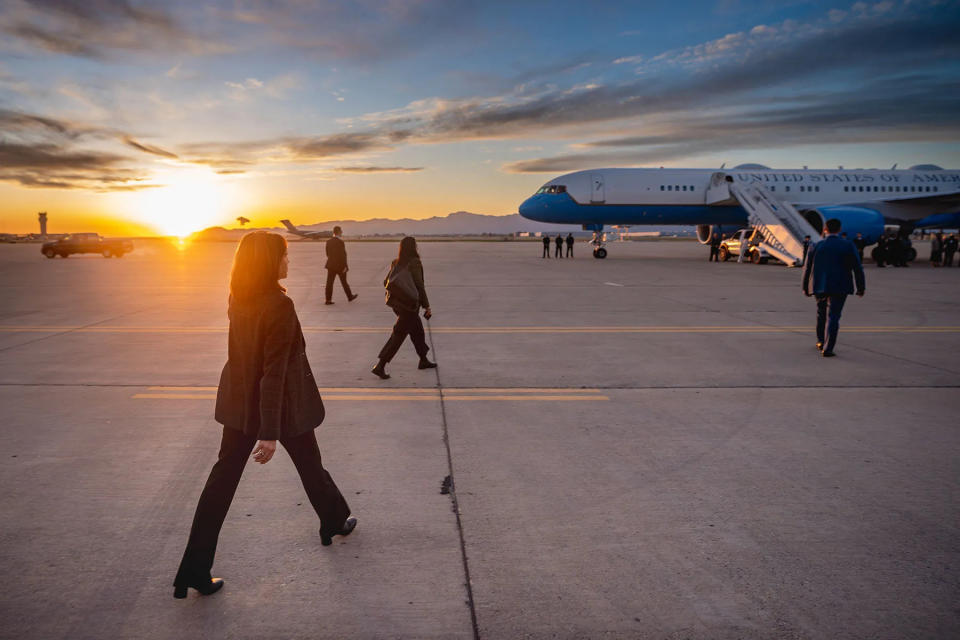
[647, 446]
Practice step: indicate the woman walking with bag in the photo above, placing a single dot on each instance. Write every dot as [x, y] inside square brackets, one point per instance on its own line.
[266, 393]
[405, 295]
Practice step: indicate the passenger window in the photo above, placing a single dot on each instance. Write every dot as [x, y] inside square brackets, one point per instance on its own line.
[786, 188]
[845, 188]
[691, 187]
[817, 188]
[684, 187]
[661, 187]
[676, 187]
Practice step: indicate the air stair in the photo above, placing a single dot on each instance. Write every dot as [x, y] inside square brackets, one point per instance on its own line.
[778, 223]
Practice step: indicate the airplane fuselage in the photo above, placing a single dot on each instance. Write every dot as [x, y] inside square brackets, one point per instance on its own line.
[680, 196]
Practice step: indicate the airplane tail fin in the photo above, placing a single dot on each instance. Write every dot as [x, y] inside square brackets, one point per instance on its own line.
[290, 227]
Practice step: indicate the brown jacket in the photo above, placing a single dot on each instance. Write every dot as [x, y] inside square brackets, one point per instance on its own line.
[267, 389]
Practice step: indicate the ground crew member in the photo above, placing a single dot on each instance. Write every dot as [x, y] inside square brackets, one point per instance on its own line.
[949, 248]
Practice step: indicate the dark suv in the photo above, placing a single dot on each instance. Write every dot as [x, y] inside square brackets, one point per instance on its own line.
[86, 243]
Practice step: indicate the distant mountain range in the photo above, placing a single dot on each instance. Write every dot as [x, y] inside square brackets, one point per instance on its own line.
[454, 224]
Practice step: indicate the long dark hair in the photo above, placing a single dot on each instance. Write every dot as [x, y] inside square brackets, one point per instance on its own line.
[408, 250]
[256, 266]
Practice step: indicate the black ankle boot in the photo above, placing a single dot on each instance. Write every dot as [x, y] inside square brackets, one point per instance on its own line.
[205, 588]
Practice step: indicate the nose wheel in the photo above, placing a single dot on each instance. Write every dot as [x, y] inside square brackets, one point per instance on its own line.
[599, 253]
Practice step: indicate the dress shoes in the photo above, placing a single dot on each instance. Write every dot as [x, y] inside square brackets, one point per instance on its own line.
[353, 297]
[828, 354]
[426, 364]
[329, 302]
[380, 373]
[819, 346]
[348, 526]
[205, 589]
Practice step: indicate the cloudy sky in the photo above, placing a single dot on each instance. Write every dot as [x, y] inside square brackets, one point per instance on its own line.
[129, 117]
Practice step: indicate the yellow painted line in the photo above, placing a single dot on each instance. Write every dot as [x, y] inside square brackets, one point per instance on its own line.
[395, 398]
[493, 330]
[424, 390]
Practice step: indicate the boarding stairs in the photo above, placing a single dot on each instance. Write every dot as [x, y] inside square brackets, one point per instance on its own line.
[779, 224]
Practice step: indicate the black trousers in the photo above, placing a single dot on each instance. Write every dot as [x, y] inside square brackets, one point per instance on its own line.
[235, 448]
[948, 258]
[829, 308]
[343, 280]
[569, 250]
[408, 324]
[559, 251]
[546, 251]
[714, 254]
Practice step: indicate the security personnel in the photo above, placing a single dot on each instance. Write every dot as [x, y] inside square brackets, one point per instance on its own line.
[559, 251]
[949, 248]
[570, 245]
[546, 246]
[714, 248]
[337, 266]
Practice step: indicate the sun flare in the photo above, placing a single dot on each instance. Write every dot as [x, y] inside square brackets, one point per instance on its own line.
[191, 200]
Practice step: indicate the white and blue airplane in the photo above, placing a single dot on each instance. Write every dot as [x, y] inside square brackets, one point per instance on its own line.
[864, 200]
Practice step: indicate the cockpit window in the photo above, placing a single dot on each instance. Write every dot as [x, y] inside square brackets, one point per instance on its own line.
[552, 188]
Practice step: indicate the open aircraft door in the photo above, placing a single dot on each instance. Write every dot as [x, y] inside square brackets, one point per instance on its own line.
[597, 189]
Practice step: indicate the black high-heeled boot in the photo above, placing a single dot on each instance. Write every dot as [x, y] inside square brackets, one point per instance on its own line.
[326, 539]
[205, 588]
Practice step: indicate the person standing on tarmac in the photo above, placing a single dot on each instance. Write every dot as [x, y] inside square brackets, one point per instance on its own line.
[936, 249]
[950, 246]
[558, 253]
[546, 246]
[860, 243]
[570, 245]
[806, 248]
[715, 248]
[337, 266]
[880, 252]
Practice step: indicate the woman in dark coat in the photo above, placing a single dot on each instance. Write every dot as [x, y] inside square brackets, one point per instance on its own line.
[408, 320]
[266, 393]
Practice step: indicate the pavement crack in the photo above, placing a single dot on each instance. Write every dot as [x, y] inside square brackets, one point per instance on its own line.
[450, 486]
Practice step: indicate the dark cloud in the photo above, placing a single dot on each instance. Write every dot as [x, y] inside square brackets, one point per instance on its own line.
[870, 113]
[236, 155]
[18, 121]
[849, 52]
[334, 145]
[95, 28]
[378, 169]
[147, 148]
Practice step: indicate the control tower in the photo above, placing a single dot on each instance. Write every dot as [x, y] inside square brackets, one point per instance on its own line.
[43, 223]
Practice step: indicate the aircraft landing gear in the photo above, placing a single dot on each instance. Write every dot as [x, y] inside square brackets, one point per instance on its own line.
[599, 242]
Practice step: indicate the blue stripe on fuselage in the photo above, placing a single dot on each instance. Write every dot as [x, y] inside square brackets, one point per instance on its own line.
[560, 208]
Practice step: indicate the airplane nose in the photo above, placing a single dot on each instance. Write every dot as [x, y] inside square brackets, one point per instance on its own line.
[527, 209]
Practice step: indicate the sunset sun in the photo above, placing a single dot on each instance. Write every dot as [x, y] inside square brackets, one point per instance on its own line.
[190, 200]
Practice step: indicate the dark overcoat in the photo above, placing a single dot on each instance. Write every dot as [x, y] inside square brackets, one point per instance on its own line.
[336, 255]
[267, 389]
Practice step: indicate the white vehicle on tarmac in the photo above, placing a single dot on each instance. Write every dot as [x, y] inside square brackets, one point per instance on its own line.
[756, 252]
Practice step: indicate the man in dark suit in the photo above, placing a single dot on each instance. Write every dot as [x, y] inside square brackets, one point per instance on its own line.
[715, 241]
[833, 265]
[559, 244]
[337, 266]
[546, 246]
[570, 242]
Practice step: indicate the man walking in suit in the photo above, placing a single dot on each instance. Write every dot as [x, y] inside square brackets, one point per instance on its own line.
[834, 265]
[337, 266]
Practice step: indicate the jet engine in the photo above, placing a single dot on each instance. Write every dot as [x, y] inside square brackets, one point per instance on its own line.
[854, 220]
[705, 232]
